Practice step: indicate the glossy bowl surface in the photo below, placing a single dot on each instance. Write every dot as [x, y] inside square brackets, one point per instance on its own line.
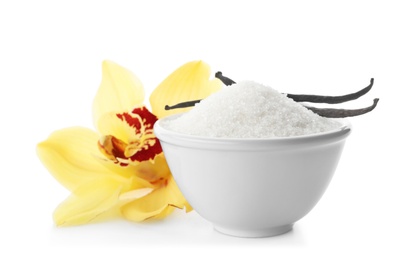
[252, 187]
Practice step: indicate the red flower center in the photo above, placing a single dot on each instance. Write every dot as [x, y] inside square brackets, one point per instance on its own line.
[143, 146]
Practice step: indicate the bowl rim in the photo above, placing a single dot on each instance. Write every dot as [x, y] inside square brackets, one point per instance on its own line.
[196, 141]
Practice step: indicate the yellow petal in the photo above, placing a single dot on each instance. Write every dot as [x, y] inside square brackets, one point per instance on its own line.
[143, 173]
[69, 155]
[93, 200]
[164, 213]
[187, 83]
[110, 124]
[157, 204]
[154, 170]
[120, 90]
[135, 194]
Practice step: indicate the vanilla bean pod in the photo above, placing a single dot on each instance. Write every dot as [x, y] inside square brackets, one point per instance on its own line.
[224, 79]
[340, 113]
[311, 98]
[325, 112]
[331, 99]
[183, 104]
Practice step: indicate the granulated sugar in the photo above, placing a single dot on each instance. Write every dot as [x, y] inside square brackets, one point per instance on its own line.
[250, 110]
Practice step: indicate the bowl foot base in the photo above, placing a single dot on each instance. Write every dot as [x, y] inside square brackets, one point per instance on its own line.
[268, 232]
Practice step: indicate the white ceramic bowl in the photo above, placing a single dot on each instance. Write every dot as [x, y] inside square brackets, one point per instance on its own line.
[252, 187]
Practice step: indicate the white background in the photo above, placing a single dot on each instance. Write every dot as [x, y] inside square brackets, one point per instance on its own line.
[50, 68]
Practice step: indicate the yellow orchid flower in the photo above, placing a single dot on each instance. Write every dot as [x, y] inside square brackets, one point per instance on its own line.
[120, 170]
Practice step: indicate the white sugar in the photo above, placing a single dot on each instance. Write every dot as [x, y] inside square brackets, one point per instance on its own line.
[250, 110]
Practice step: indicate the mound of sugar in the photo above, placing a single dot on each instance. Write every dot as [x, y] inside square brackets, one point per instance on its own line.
[250, 110]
